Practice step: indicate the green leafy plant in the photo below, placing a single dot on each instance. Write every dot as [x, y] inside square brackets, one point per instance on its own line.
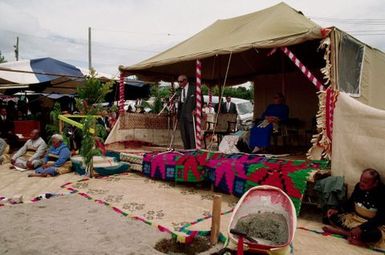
[92, 94]
[53, 127]
[158, 93]
[114, 108]
[90, 97]
[88, 150]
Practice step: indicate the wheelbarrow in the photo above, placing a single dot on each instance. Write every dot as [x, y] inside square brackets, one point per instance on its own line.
[261, 199]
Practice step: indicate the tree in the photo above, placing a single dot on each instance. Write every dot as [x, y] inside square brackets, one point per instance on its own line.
[239, 92]
[92, 94]
[159, 93]
[2, 58]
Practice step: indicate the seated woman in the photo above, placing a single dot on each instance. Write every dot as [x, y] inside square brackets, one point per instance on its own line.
[55, 162]
[274, 114]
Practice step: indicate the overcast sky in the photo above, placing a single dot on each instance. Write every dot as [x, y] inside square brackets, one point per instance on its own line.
[125, 32]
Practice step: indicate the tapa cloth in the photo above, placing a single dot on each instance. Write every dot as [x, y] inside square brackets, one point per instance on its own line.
[358, 139]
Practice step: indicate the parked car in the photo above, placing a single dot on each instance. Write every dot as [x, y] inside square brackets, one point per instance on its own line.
[128, 103]
[245, 110]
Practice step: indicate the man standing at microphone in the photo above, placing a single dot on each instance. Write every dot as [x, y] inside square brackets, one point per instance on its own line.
[186, 108]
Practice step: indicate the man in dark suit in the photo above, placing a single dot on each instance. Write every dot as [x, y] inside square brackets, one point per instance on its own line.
[186, 109]
[228, 106]
[6, 124]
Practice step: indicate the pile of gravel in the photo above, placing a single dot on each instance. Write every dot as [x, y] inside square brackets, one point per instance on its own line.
[267, 225]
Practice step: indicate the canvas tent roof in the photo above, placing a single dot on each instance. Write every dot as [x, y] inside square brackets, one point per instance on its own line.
[279, 25]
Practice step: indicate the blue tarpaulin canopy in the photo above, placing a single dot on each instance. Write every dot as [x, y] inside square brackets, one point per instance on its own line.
[36, 71]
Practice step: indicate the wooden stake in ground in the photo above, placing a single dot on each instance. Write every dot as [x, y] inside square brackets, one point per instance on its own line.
[216, 219]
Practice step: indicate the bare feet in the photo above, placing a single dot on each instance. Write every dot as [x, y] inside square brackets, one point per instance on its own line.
[255, 150]
[357, 242]
[334, 230]
[338, 231]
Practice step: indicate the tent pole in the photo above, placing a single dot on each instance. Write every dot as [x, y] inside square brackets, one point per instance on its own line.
[283, 74]
[121, 94]
[198, 105]
[319, 85]
[221, 90]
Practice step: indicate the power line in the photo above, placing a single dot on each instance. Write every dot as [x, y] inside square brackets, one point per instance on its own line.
[84, 43]
[368, 34]
[347, 19]
[127, 49]
[75, 40]
[366, 31]
[366, 22]
[136, 33]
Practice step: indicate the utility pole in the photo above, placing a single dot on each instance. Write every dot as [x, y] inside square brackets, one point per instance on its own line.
[17, 48]
[89, 49]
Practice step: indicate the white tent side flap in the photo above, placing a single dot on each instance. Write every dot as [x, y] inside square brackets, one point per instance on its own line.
[358, 139]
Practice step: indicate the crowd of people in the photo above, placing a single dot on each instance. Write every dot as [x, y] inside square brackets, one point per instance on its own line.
[29, 151]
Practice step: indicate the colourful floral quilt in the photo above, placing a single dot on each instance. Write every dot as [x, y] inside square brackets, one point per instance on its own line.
[231, 173]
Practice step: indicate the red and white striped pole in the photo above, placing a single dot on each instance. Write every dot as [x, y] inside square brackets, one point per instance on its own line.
[121, 93]
[198, 105]
[303, 69]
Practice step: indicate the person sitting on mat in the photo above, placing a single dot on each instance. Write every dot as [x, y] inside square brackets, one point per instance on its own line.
[31, 155]
[274, 114]
[362, 218]
[55, 162]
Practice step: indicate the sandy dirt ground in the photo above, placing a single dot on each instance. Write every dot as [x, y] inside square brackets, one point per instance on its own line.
[72, 225]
